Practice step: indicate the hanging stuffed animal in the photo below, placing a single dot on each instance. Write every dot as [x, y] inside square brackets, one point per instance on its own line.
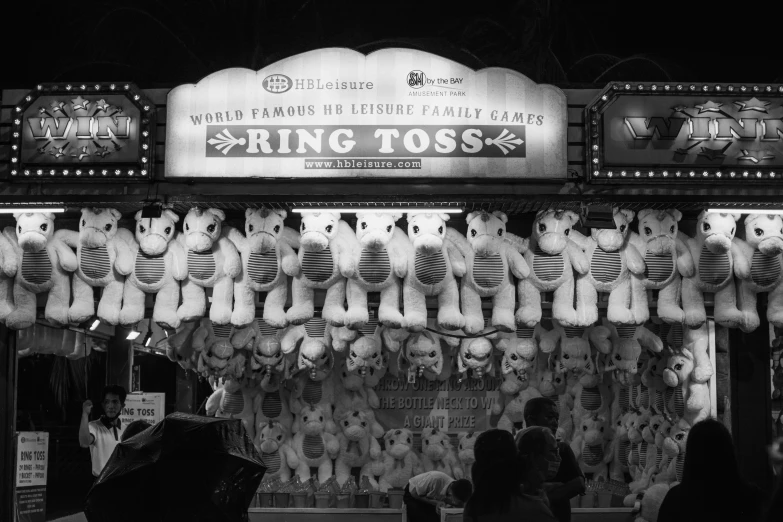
[327, 250]
[105, 258]
[423, 356]
[653, 457]
[314, 446]
[613, 263]
[553, 386]
[380, 264]
[652, 378]
[627, 343]
[231, 400]
[475, 358]
[591, 446]
[273, 444]
[179, 346]
[437, 454]
[663, 474]
[520, 348]
[9, 262]
[620, 448]
[400, 461]
[358, 447]
[717, 258]
[434, 263]
[763, 246]
[465, 451]
[268, 259]
[271, 402]
[44, 263]
[667, 260]
[159, 265]
[575, 352]
[217, 356]
[266, 361]
[675, 445]
[365, 353]
[515, 392]
[640, 448]
[490, 260]
[213, 262]
[695, 395]
[552, 257]
[352, 394]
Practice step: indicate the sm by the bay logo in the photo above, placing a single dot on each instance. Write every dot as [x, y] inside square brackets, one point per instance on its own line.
[80, 128]
[366, 141]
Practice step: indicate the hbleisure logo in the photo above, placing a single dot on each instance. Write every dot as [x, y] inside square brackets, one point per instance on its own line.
[277, 83]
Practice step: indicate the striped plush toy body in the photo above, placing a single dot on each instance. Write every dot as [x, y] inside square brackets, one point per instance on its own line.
[667, 261]
[717, 258]
[434, 263]
[104, 255]
[381, 262]
[762, 246]
[44, 263]
[613, 261]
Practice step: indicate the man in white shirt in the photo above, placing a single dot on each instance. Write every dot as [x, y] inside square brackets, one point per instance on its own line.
[102, 435]
[426, 491]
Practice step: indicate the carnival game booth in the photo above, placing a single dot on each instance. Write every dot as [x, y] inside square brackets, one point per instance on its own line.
[374, 258]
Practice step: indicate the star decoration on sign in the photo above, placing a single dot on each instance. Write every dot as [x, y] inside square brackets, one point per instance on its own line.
[79, 103]
[679, 108]
[102, 152]
[711, 154]
[753, 104]
[754, 156]
[102, 105]
[710, 106]
[83, 153]
[57, 106]
[41, 110]
[42, 150]
[58, 151]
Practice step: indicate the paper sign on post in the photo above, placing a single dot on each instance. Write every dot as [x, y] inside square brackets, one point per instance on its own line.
[150, 407]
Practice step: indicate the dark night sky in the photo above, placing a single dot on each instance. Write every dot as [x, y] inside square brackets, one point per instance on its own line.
[166, 42]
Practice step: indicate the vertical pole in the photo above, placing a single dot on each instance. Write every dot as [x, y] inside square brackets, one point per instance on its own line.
[751, 416]
[120, 358]
[8, 374]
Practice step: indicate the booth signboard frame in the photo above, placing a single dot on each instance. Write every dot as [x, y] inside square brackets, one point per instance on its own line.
[32, 462]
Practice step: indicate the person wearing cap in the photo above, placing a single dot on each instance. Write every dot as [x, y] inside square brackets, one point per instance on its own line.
[567, 481]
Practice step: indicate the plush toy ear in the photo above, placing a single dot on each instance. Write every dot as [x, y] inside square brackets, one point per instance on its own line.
[501, 216]
[676, 214]
[217, 213]
[736, 216]
[396, 217]
[627, 214]
[282, 213]
[168, 214]
[572, 217]
[136, 216]
[444, 217]
[249, 212]
[645, 212]
[470, 217]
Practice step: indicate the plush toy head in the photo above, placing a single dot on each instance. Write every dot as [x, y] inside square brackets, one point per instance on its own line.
[678, 368]
[676, 442]
[552, 383]
[467, 441]
[263, 228]
[574, 354]
[427, 232]
[373, 376]
[611, 240]
[355, 425]
[365, 353]
[652, 377]
[659, 229]
[475, 354]
[270, 436]
[486, 232]
[765, 232]
[717, 230]
[664, 430]
[656, 420]
[594, 429]
[154, 234]
[625, 354]
[375, 230]
[435, 444]
[202, 228]
[552, 228]
[514, 382]
[34, 229]
[310, 420]
[98, 226]
[520, 354]
[398, 442]
[318, 229]
[639, 421]
[423, 352]
[314, 357]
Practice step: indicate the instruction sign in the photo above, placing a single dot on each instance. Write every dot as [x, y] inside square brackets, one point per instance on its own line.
[150, 407]
[32, 456]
